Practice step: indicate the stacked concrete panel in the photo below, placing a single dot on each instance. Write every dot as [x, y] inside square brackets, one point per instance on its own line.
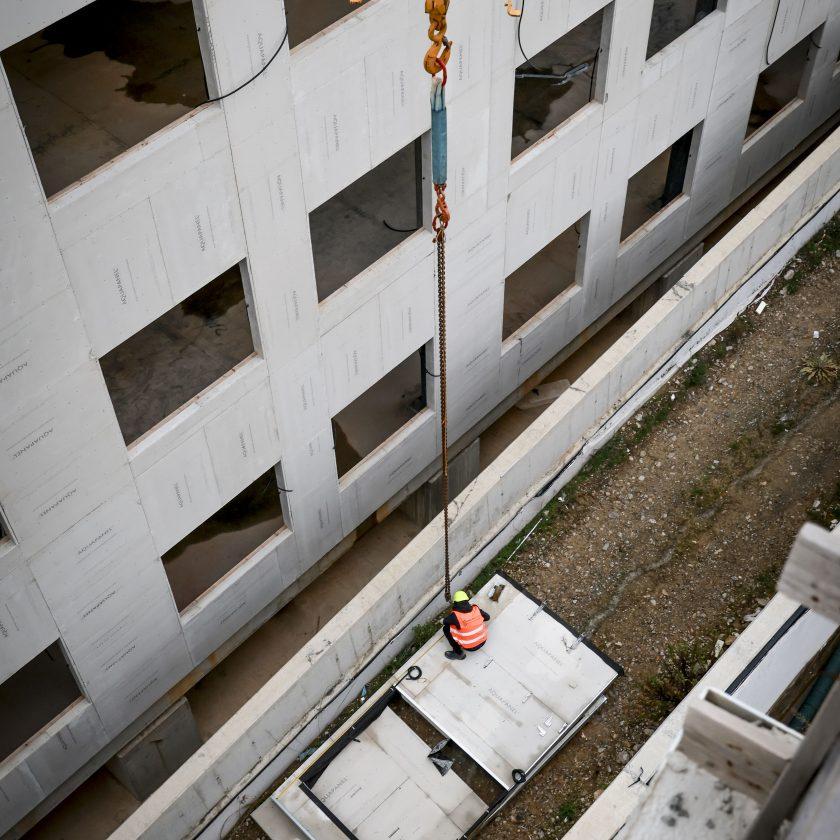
[90, 518]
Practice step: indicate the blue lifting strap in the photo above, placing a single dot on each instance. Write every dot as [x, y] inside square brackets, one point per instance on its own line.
[438, 99]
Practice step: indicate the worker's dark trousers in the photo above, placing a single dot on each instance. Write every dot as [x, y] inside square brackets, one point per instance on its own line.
[447, 631]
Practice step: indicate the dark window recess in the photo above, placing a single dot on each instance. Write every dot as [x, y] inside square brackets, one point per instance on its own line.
[185, 350]
[672, 18]
[656, 185]
[381, 411]
[354, 228]
[778, 85]
[306, 18]
[557, 82]
[224, 540]
[540, 280]
[101, 80]
[33, 696]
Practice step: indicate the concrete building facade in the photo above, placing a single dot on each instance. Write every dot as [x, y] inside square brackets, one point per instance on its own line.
[199, 325]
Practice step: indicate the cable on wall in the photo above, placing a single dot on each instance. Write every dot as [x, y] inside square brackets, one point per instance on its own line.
[255, 76]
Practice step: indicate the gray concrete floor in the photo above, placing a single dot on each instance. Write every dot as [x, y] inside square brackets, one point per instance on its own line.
[539, 105]
[101, 80]
[171, 360]
[778, 85]
[670, 19]
[48, 687]
[349, 232]
[377, 414]
[644, 194]
[540, 280]
[224, 540]
[306, 18]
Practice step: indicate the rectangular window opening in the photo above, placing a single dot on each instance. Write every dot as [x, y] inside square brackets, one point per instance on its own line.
[558, 81]
[380, 412]
[362, 223]
[672, 18]
[101, 79]
[659, 183]
[538, 282]
[34, 696]
[168, 362]
[306, 18]
[779, 84]
[224, 540]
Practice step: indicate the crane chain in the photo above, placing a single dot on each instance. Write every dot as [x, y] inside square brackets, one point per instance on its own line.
[440, 240]
[435, 62]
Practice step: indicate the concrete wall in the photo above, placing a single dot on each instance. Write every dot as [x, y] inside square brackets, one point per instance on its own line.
[90, 518]
[290, 708]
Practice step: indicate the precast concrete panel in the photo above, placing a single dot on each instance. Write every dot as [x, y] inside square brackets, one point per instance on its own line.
[39, 349]
[27, 625]
[199, 225]
[30, 263]
[180, 491]
[70, 740]
[237, 597]
[139, 174]
[243, 441]
[352, 356]
[118, 269]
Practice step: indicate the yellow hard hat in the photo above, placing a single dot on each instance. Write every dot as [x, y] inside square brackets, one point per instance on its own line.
[459, 596]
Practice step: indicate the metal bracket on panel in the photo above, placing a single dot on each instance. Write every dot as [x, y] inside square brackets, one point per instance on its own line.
[537, 611]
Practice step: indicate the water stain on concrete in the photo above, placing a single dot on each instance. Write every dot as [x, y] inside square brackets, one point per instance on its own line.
[157, 39]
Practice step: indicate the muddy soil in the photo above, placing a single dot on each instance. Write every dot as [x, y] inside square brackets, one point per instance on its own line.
[681, 541]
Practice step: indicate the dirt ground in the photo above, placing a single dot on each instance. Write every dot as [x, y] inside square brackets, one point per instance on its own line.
[672, 537]
[675, 537]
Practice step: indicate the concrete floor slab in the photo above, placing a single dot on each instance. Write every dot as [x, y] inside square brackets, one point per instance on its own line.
[102, 79]
[382, 785]
[542, 104]
[509, 701]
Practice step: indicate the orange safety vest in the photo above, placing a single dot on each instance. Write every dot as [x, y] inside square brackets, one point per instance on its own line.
[471, 631]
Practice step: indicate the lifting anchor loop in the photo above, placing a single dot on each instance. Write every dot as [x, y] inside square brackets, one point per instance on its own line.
[435, 62]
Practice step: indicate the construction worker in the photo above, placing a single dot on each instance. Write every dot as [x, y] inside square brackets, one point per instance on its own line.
[464, 627]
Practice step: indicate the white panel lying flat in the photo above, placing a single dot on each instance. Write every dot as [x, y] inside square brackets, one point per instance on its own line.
[275, 823]
[309, 818]
[374, 778]
[382, 785]
[506, 703]
[403, 746]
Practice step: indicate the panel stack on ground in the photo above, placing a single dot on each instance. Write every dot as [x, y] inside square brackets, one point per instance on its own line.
[509, 706]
